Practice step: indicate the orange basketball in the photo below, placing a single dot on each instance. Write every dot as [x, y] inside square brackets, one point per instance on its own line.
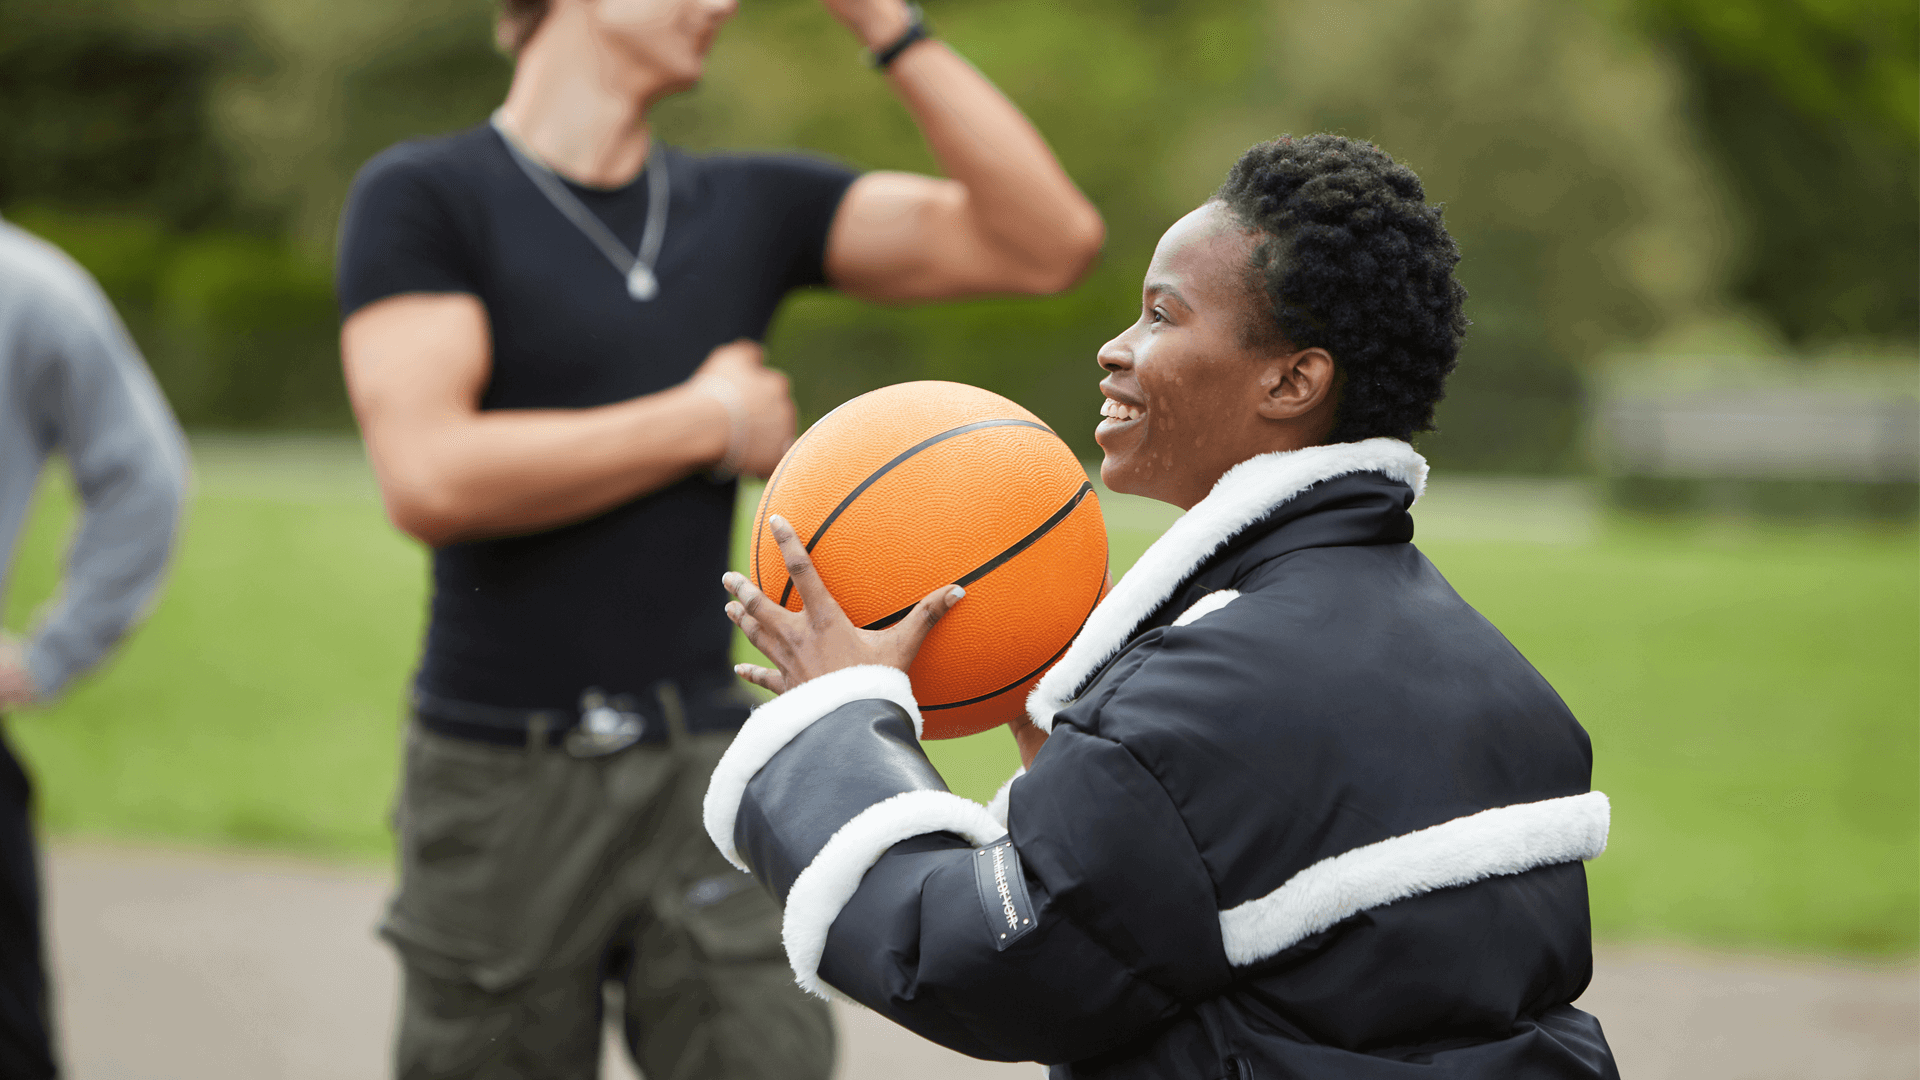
[924, 484]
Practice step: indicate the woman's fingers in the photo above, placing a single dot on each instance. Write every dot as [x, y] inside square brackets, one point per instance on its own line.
[755, 632]
[819, 603]
[749, 611]
[749, 601]
[810, 643]
[912, 631]
[742, 589]
[766, 678]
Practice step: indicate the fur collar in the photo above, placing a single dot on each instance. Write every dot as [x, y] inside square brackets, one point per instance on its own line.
[1248, 492]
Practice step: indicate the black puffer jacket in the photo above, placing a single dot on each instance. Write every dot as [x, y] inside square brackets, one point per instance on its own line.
[1303, 813]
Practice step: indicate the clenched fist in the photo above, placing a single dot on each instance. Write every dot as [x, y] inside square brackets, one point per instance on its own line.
[765, 420]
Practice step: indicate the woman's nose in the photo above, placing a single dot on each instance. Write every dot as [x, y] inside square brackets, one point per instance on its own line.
[1114, 355]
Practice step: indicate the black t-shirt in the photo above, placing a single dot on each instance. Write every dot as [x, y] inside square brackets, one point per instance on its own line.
[631, 596]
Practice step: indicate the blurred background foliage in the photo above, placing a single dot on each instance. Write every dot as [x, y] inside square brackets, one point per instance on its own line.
[1623, 175]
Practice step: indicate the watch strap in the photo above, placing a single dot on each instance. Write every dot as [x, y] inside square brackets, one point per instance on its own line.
[916, 30]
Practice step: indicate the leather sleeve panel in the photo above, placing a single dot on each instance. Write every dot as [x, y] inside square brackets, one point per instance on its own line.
[914, 946]
[855, 756]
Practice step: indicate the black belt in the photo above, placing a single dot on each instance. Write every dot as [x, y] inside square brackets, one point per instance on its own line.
[602, 724]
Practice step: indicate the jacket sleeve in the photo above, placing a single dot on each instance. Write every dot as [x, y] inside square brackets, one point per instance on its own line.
[1089, 924]
[129, 462]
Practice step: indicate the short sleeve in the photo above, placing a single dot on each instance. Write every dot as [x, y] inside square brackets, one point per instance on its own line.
[801, 194]
[399, 235]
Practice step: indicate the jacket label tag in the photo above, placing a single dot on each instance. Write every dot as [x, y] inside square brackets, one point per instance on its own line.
[1003, 892]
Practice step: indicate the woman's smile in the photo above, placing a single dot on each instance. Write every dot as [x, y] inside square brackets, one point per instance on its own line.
[1118, 414]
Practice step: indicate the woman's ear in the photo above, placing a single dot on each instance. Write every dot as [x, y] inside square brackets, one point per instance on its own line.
[1298, 384]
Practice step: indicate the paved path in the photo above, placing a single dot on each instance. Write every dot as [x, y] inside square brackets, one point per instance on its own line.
[195, 966]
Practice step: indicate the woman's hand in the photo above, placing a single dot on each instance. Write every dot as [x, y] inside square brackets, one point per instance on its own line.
[809, 643]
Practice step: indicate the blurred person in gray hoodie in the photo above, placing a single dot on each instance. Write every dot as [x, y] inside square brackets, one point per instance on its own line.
[73, 382]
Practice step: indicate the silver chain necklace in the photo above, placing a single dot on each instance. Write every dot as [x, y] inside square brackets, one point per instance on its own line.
[637, 268]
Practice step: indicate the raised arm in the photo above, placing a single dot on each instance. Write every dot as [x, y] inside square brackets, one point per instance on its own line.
[416, 366]
[1007, 219]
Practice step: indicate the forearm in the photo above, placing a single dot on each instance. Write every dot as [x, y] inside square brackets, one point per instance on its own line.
[1017, 194]
[908, 898]
[115, 567]
[914, 945]
[502, 472]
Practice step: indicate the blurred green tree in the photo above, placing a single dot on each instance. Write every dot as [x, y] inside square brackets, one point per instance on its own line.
[1812, 108]
[113, 148]
[1556, 142]
[101, 112]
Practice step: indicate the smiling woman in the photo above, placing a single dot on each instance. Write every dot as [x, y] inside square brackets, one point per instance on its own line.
[1291, 807]
[1191, 392]
[1311, 300]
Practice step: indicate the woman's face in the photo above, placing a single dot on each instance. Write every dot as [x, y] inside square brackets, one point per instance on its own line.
[1188, 396]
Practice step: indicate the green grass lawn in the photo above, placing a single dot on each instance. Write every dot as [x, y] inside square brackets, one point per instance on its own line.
[1753, 692]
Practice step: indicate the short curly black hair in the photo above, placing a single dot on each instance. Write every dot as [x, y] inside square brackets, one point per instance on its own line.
[1352, 259]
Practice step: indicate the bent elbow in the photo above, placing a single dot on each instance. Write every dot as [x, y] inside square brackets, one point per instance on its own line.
[424, 511]
[433, 530]
[164, 494]
[1068, 261]
[1086, 239]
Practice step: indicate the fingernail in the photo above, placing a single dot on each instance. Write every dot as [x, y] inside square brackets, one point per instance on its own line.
[957, 593]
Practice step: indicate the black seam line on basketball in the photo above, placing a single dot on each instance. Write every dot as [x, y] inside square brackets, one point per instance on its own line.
[1015, 685]
[997, 561]
[888, 467]
[766, 496]
[766, 504]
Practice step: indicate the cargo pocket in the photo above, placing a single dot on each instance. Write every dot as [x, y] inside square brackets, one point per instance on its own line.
[722, 912]
[464, 832]
[726, 915]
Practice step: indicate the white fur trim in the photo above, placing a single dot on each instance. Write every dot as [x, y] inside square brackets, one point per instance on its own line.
[997, 806]
[1506, 840]
[1247, 493]
[773, 725]
[1207, 605]
[830, 880]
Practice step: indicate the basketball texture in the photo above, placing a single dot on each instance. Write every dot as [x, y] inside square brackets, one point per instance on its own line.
[925, 484]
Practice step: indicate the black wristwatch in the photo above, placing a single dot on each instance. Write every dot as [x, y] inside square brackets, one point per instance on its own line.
[916, 30]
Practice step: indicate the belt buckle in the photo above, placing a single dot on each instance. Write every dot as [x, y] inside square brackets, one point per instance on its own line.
[607, 726]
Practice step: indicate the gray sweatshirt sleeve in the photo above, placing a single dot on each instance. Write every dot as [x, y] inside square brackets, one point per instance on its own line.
[98, 403]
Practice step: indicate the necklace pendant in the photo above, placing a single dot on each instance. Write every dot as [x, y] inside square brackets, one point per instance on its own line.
[641, 284]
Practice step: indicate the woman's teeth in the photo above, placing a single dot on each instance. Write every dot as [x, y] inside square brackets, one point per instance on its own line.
[1116, 410]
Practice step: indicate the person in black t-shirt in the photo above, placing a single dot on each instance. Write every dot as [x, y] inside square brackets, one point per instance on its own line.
[550, 328]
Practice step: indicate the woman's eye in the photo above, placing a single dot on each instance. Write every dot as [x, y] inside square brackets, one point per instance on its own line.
[1155, 316]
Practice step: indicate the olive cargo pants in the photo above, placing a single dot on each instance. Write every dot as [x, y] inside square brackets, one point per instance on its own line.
[530, 878]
